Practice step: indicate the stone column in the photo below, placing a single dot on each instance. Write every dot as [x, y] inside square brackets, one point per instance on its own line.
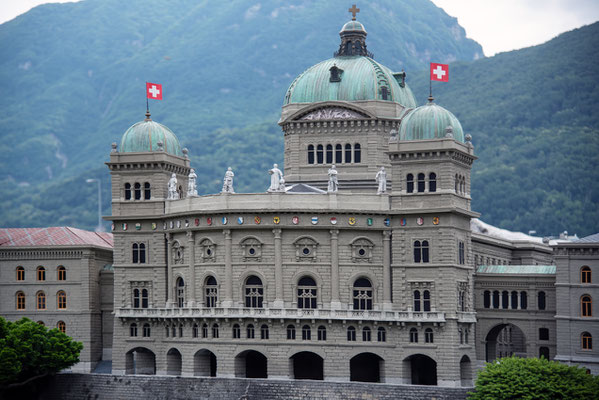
[228, 298]
[387, 270]
[192, 268]
[335, 302]
[279, 302]
[170, 287]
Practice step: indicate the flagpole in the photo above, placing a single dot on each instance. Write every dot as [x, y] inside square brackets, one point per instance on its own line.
[147, 103]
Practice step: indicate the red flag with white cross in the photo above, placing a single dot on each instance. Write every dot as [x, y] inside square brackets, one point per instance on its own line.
[439, 72]
[154, 91]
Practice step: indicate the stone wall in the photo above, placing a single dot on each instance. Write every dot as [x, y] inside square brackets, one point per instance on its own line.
[97, 386]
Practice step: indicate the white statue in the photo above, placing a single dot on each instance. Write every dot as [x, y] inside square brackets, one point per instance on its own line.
[192, 189]
[381, 179]
[333, 183]
[277, 183]
[172, 188]
[228, 181]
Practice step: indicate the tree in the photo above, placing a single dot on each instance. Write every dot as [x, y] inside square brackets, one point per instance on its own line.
[29, 350]
[534, 378]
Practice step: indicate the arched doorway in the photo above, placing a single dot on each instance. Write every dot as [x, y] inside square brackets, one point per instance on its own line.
[307, 365]
[204, 363]
[251, 364]
[466, 371]
[140, 361]
[505, 340]
[365, 367]
[173, 362]
[421, 369]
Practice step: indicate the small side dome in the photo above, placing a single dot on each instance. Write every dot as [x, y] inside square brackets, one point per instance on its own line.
[353, 26]
[430, 122]
[146, 135]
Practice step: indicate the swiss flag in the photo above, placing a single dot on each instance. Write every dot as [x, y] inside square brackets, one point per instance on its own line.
[439, 72]
[154, 91]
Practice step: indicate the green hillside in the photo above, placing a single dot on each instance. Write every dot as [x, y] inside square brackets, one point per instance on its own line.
[534, 120]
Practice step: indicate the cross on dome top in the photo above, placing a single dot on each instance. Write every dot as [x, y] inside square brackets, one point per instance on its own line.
[353, 10]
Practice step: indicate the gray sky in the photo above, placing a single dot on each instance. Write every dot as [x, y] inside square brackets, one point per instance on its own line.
[498, 25]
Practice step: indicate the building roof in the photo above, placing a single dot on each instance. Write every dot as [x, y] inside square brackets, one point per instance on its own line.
[54, 236]
[430, 121]
[516, 269]
[588, 239]
[145, 135]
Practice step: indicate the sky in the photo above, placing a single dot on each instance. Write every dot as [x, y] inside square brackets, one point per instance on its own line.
[498, 25]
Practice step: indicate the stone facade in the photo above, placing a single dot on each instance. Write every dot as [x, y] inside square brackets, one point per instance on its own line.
[61, 277]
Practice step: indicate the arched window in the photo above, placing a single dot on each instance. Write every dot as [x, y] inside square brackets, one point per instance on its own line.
[348, 153]
[425, 251]
[523, 301]
[147, 191]
[322, 332]
[413, 335]
[41, 300]
[250, 331]
[139, 253]
[137, 191]
[487, 299]
[306, 332]
[462, 300]
[20, 273]
[417, 251]
[236, 331]
[61, 298]
[211, 292]
[127, 191]
[495, 299]
[168, 330]
[351, 334]
[62, 273]
[20, 301]
[133, 329]
[136, 298]
[461, 253]
[432, 182]
[61, 326]
[254, 292]
[264, 332]
[195, 331]
[291, 332]
[416, 300]
[329, 154]
[541, 300]
[181, 330]
[586, 341]
[311, 154]
[338, 154]
[514, 300]
[41, 323]
[381, 334]
[505, 298]
[544, 352]
[41, 273]
[215, 331]
[366, 334]
[357, 153]
[306, 293]
[586, 306]
[173, 331]
[457, 184]
[180, 286]
[319, 154]
[144, 298]
[204, 331]
[384, 92]
[427, 301]
[362, 294]
[146, 330]
[428, 335]
[585, 275]
[410, 183]
[421, 183]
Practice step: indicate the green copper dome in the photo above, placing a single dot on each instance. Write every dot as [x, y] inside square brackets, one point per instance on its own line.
[360, 78]
[430, 122]
[145, 135]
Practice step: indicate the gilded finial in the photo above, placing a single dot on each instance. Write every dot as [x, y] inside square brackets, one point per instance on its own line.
[353, 10]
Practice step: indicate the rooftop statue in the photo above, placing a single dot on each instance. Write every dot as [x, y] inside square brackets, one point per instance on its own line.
[172, 188]
[381, 179]
[228, 181]
[192, 189]
[333, 183]
[277, 183]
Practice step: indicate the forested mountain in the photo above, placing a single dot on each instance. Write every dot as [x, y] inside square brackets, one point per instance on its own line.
[72, 77]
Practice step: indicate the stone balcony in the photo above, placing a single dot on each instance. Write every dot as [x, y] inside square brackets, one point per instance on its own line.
[399, 317]
[466, 317]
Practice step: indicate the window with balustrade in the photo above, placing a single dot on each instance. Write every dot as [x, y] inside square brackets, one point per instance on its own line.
[362, 294]
[253, 292]
[306, 293]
